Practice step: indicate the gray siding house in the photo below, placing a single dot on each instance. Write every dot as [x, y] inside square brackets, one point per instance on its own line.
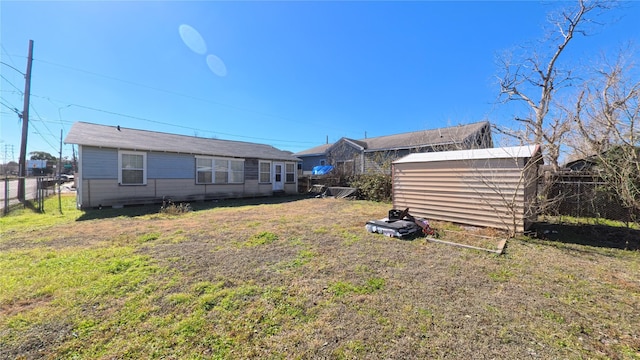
[119, 166]
[375, 155]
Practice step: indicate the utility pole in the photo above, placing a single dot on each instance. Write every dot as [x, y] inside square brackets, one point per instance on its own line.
[59, 175]
[22, 172]
[75, 160]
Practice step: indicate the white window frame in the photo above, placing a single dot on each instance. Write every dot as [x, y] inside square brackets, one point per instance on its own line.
[229, 170]
[287, 173]
[210, 170]
[144, 166]
[260, 172]
[233, 173]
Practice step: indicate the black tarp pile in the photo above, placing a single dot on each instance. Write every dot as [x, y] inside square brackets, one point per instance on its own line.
[400, 224]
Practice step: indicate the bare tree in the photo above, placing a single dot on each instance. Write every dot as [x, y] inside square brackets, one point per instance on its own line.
[536, 79]
[607, 115]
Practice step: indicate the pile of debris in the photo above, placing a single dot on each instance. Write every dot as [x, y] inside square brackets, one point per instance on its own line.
[338, 192]
[401, 224]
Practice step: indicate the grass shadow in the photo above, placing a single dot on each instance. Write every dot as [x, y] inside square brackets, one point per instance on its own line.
[142, 210]
[603, 236]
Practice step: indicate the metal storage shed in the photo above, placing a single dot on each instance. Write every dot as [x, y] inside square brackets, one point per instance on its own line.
[483, 187]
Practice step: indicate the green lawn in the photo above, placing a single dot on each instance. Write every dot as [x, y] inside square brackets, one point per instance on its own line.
[299, 278]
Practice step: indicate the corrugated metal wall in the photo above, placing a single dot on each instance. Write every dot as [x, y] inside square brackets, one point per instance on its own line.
[488, 192]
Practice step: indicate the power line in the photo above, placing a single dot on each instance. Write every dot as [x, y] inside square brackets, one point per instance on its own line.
[11, 91]
[171, 92]
[12, 108]
[9, 55]
[42, 136]
[61, 121]
[169, 124]
[10, 83]
[40, 118]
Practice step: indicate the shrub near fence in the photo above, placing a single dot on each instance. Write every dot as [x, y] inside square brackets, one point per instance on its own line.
[375, 187]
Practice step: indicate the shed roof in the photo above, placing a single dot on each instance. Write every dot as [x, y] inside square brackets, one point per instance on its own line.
[88, 134]
[528, 151]
[449, 135]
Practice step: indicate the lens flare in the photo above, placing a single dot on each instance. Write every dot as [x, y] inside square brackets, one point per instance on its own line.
[192, 38]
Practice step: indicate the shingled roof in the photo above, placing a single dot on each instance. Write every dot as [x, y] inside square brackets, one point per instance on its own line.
[449, 135]
[88, 134]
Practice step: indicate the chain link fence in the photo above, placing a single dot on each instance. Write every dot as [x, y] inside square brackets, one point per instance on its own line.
[36, 190]
[584, 194]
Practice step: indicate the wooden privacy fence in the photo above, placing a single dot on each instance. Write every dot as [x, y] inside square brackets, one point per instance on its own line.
[482, 187]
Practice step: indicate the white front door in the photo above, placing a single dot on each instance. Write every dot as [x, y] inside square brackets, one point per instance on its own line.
[278, 176]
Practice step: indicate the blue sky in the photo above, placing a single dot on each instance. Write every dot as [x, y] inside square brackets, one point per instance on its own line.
[289, 74]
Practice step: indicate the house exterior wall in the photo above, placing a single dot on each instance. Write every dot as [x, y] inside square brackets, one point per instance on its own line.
[345, 158]
[379, 162]
[169, 175]
[496, 193]
[378, 159]
[309, 162]
[101, 192]
[99, 163]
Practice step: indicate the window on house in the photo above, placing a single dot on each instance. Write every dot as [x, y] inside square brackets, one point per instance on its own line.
[323, 162]
[290, 172]
[345, 167]
[236, 171]
[265, 172]
[133, 168]
[219, 171]
[204, 171]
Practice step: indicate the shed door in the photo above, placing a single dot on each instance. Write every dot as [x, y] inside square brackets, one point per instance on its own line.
[278, 176]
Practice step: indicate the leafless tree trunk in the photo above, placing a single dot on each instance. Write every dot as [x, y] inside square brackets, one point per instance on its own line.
[607, 116]
[536, 79]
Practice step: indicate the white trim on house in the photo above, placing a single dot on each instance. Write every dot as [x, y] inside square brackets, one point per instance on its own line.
[290, 173]
[78, 179]
[278, 176]
[143, 168]
[213, 167]
[260, 172]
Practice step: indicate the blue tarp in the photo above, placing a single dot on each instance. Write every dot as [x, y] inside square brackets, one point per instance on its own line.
[321, 169]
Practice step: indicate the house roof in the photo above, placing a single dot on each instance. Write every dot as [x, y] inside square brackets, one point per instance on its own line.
[442, 136]
[528, 151]
[582, 164]
[88, 134]
[318, 150]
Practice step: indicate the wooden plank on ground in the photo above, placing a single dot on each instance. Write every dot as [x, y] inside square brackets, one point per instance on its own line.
[501, 245]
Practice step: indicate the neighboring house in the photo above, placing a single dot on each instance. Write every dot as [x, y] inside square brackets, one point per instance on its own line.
[585, 164]
[119, 166]
[350, 156]
[617, 154]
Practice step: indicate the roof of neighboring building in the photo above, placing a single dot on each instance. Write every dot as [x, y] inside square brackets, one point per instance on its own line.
[117, 137]
[582, 164]
[528, 151]
[449, 135]
[318, 150]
